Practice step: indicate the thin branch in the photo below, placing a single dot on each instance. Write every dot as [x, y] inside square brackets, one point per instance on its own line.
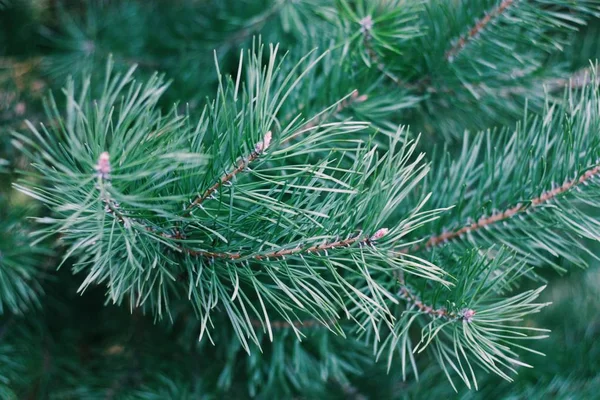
[132, 377]
[410, 297]
[261, 146]
[351, 393]
[242, 164]
[577, 80]
[406, 294]
[506, 214]
[467, 314]
[462, 42]
[46, 370]
[4, 327]
[282, 253]
[308, 323]
[103, 170]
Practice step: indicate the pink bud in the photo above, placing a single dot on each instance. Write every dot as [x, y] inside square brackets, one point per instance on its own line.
[264, 144]
[103, 166]
[380, 233]
[467, 315]
[366, 23]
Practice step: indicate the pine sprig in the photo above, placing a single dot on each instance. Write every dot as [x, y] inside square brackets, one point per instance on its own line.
[520, 198]
[279, 219]
[472, 325]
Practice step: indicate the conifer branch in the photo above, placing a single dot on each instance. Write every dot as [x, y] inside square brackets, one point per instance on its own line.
[410, 297]
[484, 222]
[282, 253]
[406, 294]
[103, 170]
[242, 164]
[462, 42]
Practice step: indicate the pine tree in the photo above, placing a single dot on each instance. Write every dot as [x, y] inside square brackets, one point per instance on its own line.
[298, 199]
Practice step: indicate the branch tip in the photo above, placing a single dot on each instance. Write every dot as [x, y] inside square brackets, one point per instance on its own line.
[462, 41]
[264, 144]
[366, 24]
[379, 234]
[103, 167]
[467, 314]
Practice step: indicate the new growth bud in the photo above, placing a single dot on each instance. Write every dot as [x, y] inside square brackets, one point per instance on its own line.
[103, 166]
[467, 314]
[264, 144]
[379, 234]
[366, 24]
[356, 98]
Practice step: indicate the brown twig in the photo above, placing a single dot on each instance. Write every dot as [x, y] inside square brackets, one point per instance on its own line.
[242, 164]
[404, 293]
[359, 239]
[467, 315]
[476, 29]
[4, 327]
[506, 214]
[577, 80]
[411, 298]
[255, 26]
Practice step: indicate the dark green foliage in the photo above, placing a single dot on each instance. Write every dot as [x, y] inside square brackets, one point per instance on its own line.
[239, 219]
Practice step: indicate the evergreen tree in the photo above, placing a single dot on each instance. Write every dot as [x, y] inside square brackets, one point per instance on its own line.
[299, 199]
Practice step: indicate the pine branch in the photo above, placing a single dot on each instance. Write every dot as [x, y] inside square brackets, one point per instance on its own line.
[424, 85]
[411, 298]
[242, 164]
[577, 80]
[361, 240]
[476, 29]
[262, 146]
[404, 293]
[484, 222]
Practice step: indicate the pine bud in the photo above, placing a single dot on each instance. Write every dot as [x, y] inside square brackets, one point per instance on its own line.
[264, 144]
[103, 166]
[467, 314]
[366, 24]
[379, 234]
